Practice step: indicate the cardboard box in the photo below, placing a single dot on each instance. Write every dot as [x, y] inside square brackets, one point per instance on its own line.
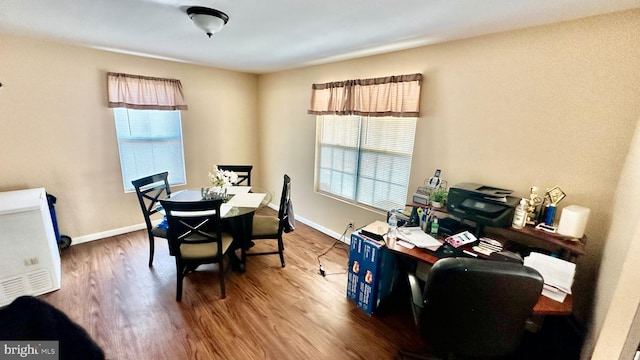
[372, 272]
[352, 273]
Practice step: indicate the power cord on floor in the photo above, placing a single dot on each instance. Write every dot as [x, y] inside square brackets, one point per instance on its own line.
[321, 270]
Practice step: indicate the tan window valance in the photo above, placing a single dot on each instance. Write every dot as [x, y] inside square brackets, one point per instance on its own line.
[144, 93]
[387, 96]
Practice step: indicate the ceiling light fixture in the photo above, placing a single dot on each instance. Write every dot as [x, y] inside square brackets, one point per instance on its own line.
[209, 20]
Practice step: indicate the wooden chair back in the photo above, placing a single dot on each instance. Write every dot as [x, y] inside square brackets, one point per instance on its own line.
[149, 190]
[243, 171]
[195, 237]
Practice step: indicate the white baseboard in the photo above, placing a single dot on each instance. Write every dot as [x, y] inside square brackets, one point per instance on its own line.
[127, 229]
[322, 229]
[106, 234]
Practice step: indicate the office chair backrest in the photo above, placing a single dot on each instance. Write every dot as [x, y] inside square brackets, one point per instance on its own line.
[243, 171]
[475, 307]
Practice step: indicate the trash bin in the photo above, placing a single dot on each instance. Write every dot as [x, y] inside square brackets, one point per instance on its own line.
[63, 240]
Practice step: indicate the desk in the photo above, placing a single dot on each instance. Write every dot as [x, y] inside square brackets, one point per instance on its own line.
[237, 215]
[544, 306]
[566, 248]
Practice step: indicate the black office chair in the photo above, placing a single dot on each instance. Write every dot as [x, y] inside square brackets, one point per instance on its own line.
[150, 189]
[195, 237]
[271, 227]
[474, 307]
[28, 318]
[243, 171]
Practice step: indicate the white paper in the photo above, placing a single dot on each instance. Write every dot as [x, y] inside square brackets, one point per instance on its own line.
[251, 200]
[232, 190]
[224, 209]
[553, 293]
[556, 272]
[377, 227]
[417, 237]
[405, 244]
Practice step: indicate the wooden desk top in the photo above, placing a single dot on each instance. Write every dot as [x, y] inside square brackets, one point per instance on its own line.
[528, 234]
[544, 306]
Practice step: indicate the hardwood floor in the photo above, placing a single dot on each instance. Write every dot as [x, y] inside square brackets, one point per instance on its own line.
[269, 312]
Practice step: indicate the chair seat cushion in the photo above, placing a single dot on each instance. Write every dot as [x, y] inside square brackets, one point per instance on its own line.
[265, 225]
[206, 250]
[156, 231]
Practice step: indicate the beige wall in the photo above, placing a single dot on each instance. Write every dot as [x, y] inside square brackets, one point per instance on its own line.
[620, 260]
[552, 105]
[58, 133]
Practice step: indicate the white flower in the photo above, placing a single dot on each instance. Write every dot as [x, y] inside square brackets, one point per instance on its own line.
[222, 178]
[231, 176]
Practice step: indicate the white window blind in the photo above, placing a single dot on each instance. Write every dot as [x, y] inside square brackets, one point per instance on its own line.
[365, 160]
[149, 141]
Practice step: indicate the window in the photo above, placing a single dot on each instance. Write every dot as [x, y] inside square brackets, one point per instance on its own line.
[365, 160]
[150, 141]
[364, 138]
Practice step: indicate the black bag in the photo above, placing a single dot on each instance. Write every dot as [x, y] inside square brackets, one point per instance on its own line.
[290, 221]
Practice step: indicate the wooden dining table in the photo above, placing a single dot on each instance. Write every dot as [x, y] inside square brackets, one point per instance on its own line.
[237, 215]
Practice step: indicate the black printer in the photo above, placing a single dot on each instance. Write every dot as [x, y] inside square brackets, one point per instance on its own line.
[484, 205]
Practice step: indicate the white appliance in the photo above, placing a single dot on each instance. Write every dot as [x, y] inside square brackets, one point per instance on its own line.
[29, 255]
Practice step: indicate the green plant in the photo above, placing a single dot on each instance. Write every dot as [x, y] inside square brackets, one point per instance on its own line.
[439, 195]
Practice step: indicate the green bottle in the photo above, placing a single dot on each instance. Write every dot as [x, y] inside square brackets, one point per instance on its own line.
[434, 226]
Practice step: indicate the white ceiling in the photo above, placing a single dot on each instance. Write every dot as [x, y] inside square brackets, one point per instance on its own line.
[270, 35]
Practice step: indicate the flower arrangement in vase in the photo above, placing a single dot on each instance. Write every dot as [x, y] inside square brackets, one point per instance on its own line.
[221, 180]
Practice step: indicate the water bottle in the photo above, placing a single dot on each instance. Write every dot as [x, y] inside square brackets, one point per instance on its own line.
[520, 215]
[393, 227]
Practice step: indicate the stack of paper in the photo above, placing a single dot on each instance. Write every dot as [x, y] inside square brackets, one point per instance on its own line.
[417, 237]
[557, 274]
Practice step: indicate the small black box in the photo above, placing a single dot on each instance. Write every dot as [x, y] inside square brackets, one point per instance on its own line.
[449, 226]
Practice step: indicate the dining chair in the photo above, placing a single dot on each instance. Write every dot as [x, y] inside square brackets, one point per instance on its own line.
[474, 307]
[150, 189]
[195, 237]
[271, 227]
[243, 171]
